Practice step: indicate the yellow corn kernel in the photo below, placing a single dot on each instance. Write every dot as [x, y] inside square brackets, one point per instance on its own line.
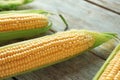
[14, 22]
[112, 71]
[117, 76]
[42, 51]
[37, 53]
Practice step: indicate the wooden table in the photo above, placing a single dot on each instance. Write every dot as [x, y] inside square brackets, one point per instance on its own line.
[98, 15]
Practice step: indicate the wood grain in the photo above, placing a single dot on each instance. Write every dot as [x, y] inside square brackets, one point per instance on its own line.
[79, 15]
[110, 4]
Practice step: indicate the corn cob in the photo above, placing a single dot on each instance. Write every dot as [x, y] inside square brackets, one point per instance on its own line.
[19, 24]
[26, 56]
[12, 4]
[15, 22]
[111, 68]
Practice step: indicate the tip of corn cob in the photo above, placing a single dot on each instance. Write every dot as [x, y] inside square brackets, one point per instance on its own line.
[100, 37]
[102, 69]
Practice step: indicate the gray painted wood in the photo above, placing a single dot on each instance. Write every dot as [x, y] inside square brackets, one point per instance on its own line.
[79, 15]
[111, 4]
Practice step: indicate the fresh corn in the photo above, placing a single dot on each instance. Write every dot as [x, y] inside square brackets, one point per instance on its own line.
[14, 22]
[26, 56]
[12, 4]
[111, 68]
[19, 24]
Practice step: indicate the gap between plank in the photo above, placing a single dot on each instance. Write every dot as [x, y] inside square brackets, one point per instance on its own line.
[103, 7]
[97, 55]
[14, 78]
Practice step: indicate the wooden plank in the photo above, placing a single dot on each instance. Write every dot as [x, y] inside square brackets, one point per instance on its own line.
[104, 50]
[110, 4]
[79, 68]
[80, 15]
[8, 79]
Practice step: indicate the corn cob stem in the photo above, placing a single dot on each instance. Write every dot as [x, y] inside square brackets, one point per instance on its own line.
[64, 21]
[37, 53]
[111, 68]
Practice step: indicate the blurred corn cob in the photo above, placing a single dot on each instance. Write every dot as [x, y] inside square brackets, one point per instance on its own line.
[19, 24]
[41, 52]
[12, 4]
[111, 68]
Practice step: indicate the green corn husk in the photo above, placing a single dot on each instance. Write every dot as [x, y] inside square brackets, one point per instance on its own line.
[25, 11]
[97, 76]
[12, 4]
[10, 35]
[94, 38]
[7, 36]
